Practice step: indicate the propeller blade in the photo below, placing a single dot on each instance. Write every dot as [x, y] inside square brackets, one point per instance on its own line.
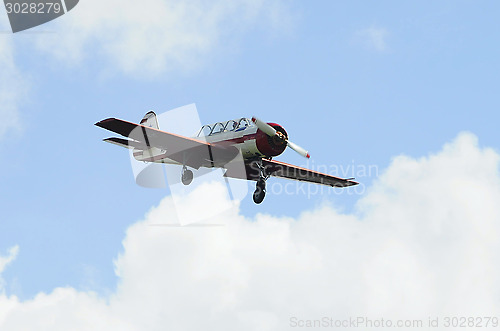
[264, 127]
[298, 149]
[270, 131]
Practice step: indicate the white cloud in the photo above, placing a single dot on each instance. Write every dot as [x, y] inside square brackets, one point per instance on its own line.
[151, 37]
[4, 261]
[423, 242]
[374, 38]
[12, 86]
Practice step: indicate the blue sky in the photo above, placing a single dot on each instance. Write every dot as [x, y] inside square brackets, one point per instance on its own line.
[351, 82]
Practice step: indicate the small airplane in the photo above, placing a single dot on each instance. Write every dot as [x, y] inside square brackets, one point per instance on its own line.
[217, 146]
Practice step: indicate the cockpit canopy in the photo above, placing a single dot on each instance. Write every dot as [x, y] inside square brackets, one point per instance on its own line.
[231, 125]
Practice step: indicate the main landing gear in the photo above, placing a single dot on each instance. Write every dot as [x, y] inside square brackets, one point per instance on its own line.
[260, 187]
[186, 176]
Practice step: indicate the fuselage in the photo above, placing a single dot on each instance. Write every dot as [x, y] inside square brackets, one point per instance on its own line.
[241, 134]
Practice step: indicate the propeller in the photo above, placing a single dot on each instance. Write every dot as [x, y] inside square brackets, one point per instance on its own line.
[271, 132]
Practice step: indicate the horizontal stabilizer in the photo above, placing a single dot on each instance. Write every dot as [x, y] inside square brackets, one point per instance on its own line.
[125, 143]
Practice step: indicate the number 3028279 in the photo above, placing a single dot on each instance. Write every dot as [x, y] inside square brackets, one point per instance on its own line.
[33, 8]
[471, 322]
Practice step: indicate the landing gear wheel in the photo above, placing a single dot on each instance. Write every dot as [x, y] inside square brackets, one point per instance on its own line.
[260, 192]
[187, 177]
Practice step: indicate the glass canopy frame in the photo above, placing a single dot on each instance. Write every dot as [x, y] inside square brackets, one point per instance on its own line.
[220, 127]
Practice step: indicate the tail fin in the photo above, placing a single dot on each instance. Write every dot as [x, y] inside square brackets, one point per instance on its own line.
[150, 120]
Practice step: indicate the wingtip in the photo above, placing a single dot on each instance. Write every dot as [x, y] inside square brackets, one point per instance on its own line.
[101, 123]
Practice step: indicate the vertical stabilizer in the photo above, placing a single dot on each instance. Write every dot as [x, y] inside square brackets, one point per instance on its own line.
[149, 120]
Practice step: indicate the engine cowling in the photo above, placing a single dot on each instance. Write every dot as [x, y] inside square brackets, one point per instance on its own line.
[271, 146]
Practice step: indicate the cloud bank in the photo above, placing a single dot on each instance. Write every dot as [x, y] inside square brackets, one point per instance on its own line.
[150, 37]
[423, 242]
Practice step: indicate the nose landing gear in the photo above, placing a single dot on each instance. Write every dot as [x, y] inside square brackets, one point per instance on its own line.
[260, 186]
[186, 176]
[260, 191]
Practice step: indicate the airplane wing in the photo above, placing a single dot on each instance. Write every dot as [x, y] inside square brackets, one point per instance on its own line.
[285, 170]
[289, 171]
[188, 151]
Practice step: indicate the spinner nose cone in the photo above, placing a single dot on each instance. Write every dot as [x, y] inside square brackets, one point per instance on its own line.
[272, 145]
